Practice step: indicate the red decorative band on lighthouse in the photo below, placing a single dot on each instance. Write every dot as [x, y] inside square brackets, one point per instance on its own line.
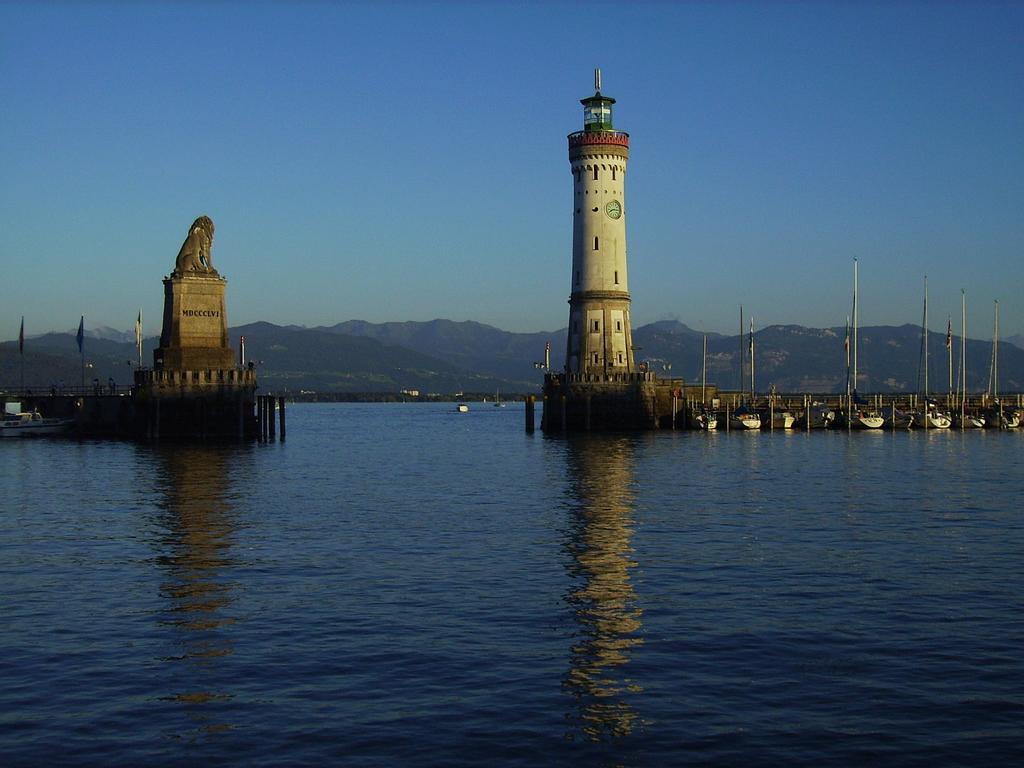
[583, 138]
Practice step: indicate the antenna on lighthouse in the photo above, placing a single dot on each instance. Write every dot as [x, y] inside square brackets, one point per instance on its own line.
[597, 79]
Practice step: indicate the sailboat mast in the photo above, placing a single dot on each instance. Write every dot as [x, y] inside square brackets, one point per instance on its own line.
[855, 309]
[995, 356]
[743, 355]
[751, 359]
[949, 354]
[704, 370]
[924, 339]
[846, 344]
[963, 351]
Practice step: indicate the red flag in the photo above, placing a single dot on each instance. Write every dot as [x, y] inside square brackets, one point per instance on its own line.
[21, 337]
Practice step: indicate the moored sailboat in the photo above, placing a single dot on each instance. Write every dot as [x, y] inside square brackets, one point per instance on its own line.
[858, 415]
[928, 416]
[998, 417]
[703, 418]
[821, 416]
[745, 418]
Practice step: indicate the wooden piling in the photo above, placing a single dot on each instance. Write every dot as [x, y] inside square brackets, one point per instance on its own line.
[530, 400]
[280, 404]
[271, 427]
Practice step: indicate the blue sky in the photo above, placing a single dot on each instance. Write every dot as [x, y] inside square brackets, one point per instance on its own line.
[406, 161]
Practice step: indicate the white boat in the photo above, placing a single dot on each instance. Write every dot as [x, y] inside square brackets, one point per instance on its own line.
[931, 418]
[703, 419]
[745, 418]
[864, 419]
[497, 399]
[857, 417]
[462, 408]
[998, 417]
[25, 424]
[968, 421]
[1005, 418]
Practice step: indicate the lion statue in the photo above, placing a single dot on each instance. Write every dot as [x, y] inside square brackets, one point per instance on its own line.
[194, 255]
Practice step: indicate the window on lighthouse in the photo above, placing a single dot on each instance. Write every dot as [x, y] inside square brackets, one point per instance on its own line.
[597, 114]
[595, 244]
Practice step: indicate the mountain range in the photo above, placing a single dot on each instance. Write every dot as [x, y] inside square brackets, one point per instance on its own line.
[445, 357]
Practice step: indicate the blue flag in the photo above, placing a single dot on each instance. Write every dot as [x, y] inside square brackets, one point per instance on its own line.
[81, 333]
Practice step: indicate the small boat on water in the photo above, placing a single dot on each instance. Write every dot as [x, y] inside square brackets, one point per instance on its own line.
[1002, 418]
[27, 424]
[745, 418]
[462, 408]
[497, 399]
[931, 417]
[896, 419]
[821, 416]
[703, 419]
[928, 417]
[968, 421]
[780, 419]
[857, 415]
[861, 418]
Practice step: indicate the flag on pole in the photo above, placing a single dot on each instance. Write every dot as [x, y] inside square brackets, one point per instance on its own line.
[21, 337]
[81, 334]
[138, 336]
[949, 333]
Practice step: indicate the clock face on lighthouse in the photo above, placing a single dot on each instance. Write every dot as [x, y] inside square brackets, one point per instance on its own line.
[614, 209]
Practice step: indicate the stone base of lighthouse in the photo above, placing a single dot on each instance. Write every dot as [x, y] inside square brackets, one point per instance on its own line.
[617, 401]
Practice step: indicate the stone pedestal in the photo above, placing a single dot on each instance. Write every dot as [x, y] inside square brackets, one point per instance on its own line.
[195, 329]
[624, 401]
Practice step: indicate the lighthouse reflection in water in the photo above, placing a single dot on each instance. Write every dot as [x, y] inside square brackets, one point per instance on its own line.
[198, 521]
[604, 601]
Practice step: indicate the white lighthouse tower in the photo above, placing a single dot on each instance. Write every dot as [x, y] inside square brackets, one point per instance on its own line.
[600, 341]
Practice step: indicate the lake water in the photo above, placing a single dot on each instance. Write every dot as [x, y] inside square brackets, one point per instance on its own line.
[405, 585]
